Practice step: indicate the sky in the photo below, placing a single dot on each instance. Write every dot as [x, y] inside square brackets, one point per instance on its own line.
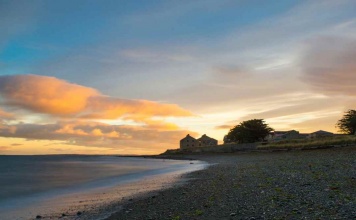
[135, 77]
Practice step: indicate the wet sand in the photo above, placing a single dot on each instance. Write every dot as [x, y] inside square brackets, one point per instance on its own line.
[314, 184]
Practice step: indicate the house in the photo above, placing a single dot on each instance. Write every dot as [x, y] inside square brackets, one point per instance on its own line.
[207, 141]
[285, 135]
[190, 142]
[320, 133]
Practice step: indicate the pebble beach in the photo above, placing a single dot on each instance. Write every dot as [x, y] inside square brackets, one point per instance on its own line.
[310, 184]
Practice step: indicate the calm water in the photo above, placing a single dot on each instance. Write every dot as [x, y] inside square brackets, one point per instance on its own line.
[25, 180]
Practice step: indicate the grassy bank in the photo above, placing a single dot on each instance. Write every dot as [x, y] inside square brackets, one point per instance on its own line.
[325, 142]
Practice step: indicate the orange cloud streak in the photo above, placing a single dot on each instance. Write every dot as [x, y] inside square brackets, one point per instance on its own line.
[57, 97]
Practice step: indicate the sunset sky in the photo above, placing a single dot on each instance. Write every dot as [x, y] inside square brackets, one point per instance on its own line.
[134, 77]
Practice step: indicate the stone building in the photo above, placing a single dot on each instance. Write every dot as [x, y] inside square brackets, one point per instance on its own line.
[319, 134]
[285, 135]
[190, 142]
[207, 141]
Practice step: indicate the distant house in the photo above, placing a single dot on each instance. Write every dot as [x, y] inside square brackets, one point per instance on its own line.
[190, 142]
[285, 135]
[207, 141]
[320, 133]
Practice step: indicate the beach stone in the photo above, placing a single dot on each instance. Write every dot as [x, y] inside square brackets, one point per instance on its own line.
[300, 193]
[79, 213]
[38, 217]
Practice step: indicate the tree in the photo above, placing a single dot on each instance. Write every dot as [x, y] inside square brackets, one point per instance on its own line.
[249, 131]
[347, 124]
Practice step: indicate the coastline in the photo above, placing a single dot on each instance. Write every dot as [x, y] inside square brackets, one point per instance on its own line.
[256, 185]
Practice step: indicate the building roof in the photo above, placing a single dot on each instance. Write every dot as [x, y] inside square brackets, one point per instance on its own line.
[321, 132]
[188, 137]
[206, 137]
[283, 132]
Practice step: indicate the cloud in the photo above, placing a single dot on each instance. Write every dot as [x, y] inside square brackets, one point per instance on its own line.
[329, 65]
[43, 94]
[224, 127]
[5, 115]
[150, 56]
[79, 108]
[4, 148]
[230, 74]
[95, 134]
[293, 112]
[111, 108]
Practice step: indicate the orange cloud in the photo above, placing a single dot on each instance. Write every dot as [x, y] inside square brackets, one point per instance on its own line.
[45, 94]
[4, 148]
[57, 97]
[78, 107]
[112, 108]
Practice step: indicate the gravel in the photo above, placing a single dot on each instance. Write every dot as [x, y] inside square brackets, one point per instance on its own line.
[315, 184]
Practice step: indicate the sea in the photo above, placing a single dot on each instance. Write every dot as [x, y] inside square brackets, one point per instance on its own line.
[81, 186]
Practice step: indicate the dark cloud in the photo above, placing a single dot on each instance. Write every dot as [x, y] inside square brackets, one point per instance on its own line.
[329, 65]
[224, 126]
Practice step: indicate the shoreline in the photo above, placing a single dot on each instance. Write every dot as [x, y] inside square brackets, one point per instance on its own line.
[99, 199]
[256, 185]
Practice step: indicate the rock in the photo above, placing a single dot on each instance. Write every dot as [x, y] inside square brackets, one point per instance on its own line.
[153, 197]
[233, 214]
[63, 215]
[79, 213]
[38, 217]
